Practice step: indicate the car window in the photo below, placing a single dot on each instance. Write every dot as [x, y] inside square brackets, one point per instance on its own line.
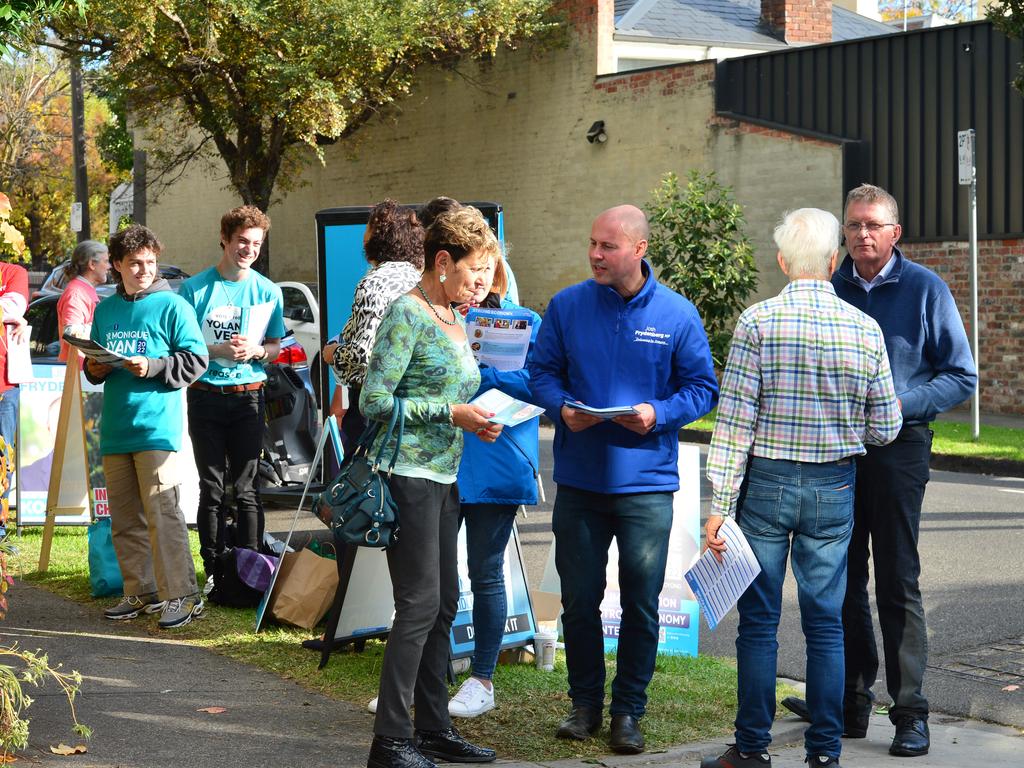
[295, 305]
[42, 316]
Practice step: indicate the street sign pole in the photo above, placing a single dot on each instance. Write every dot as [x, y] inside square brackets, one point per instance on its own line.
[969, 176]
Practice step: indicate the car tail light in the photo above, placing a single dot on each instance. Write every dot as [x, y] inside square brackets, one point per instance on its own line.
[292, 355]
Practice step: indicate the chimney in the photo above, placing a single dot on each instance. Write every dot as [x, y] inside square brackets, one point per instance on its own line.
[801, 22]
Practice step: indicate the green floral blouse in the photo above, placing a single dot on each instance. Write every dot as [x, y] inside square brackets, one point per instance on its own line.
[414, 359]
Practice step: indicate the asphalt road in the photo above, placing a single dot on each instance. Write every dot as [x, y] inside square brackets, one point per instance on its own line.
[972, 540]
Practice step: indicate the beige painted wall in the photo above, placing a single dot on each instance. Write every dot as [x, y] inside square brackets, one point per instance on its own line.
[772, 174]
[515, 132]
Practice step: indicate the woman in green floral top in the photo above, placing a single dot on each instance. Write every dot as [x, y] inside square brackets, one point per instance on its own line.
[422, 356]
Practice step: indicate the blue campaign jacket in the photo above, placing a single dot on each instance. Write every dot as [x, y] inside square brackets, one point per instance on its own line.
[605, 352]
[503, 472]
[932, 366]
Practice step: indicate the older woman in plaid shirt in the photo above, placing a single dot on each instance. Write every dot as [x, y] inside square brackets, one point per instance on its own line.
[807, 384]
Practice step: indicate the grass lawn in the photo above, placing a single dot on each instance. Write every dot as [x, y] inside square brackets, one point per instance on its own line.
[691, 699]
[951, 438]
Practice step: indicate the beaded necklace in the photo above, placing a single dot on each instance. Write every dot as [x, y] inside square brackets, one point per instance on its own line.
[430, 304]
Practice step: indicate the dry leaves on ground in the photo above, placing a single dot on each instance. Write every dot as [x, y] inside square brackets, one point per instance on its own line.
[64, 749]
[212, 710]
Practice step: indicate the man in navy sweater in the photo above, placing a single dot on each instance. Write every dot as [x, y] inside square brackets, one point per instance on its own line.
[618, 339]
[932, 370]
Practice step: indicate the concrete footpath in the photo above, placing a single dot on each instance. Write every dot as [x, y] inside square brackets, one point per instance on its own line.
[142, 693]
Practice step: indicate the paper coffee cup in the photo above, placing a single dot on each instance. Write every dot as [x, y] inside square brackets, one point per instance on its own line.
[544, 649]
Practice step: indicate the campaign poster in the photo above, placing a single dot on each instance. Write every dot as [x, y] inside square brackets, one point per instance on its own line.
[39, 415]
[678, 610]
[520, 625]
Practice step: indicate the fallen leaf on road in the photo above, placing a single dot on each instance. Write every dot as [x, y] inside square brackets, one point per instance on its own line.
[5, 758]
[64, 749]
[1011, 688]
[212, 710]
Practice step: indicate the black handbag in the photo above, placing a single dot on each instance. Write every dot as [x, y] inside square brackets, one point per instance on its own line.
[357, 505]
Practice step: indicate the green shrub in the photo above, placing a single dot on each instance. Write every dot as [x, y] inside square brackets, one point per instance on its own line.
[699, 249]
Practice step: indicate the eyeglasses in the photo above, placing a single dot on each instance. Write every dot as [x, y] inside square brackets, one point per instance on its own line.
[873, 227]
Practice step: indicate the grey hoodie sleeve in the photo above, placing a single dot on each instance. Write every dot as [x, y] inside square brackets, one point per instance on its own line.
[179, 369]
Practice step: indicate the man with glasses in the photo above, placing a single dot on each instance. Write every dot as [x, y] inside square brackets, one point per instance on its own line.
[933, 371]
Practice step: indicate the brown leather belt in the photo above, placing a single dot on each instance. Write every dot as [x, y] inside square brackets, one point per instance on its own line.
[227, 389]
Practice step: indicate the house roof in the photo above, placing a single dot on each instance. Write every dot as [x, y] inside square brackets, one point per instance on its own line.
[735, 22]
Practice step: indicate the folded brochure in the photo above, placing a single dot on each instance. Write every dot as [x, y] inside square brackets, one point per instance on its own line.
[506, 409]
[718, 585]
[602, 413]
[96, 351]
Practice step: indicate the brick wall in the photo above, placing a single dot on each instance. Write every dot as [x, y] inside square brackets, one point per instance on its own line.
[1000, 319]
[799, 21]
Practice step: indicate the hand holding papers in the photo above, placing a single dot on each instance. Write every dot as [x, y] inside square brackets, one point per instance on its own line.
[507, 410]
[718, 585]
[96, 351]
[499, 338]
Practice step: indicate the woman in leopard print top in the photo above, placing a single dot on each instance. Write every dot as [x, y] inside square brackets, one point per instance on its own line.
[394, 248]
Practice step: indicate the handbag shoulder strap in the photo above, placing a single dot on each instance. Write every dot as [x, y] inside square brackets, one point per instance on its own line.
[397, 421]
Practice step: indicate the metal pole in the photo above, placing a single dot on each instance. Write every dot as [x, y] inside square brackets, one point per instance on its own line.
[78, 145]
[975, 403]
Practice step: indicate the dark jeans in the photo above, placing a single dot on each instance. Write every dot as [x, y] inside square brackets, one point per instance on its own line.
[887, 515]
[227, 440]
[801, 511]
[488, 527]
[584, 524]
[425, 579]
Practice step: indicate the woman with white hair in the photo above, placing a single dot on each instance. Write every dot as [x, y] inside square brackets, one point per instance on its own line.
[90, 263]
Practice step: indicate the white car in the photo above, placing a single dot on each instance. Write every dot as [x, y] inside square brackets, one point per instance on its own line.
[302, 318]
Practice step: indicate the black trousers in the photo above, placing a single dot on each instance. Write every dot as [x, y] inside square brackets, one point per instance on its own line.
[425, 579]
[227, 440]
[891, 480]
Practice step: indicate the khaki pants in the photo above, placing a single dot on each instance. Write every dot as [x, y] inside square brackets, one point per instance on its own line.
[148, 527]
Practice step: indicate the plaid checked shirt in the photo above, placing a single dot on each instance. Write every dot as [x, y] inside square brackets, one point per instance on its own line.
[807, 380]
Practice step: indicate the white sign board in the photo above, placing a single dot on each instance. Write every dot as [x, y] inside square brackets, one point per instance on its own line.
[122, 203]
[965, 155]
[76, 217]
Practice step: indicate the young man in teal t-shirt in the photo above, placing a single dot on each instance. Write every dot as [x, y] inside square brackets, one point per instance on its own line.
[241, 314]
[140, 431]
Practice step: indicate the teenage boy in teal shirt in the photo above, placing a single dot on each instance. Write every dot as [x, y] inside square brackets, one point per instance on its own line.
[226, 407]
[140, 431]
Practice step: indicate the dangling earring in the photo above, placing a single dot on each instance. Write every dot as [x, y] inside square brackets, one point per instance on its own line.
[442, 278]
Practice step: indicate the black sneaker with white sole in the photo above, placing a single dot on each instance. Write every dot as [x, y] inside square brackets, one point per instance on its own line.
[822, 761]
[131, 606]
[733, 758]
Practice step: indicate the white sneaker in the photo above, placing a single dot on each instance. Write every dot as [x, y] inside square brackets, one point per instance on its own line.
[371, 707]
[472, 699]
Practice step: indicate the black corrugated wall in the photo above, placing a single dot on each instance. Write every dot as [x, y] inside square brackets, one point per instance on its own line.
[896, 103]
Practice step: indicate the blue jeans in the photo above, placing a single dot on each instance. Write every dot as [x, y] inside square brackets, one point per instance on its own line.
[807, 508]
[584, 524]
[487, 530]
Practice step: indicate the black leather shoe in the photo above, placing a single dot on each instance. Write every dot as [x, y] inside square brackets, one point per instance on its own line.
[581, 724]
[911, 739]
[626, 738]
[448, 746]
[855, 722]
[386, 752]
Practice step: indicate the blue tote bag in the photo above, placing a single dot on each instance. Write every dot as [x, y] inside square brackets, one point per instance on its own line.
[104, 572]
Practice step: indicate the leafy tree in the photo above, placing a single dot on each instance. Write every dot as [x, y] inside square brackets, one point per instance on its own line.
[955, 10]
[35, 153]
[1008, 16]
[21, 20]
[264, 84]
[698, 246]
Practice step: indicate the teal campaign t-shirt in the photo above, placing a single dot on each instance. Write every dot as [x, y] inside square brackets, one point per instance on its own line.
[143, 414]
[223, 307]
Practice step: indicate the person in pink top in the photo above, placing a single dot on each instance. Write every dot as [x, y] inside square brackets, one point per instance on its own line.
[89, 266]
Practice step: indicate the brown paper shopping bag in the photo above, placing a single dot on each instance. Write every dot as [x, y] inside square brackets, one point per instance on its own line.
[304, 590]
